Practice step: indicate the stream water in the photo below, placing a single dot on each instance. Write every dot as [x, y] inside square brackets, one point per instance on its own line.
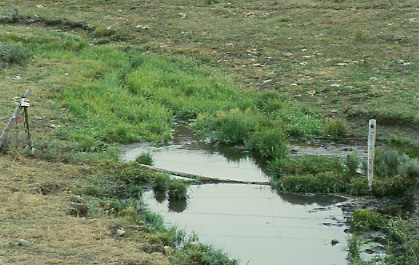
[252, 223]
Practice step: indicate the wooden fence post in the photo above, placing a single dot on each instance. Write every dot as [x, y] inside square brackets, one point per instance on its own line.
[12, 120]
[371, 149]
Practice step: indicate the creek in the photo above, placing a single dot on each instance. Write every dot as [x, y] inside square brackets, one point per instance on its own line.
[253, 223]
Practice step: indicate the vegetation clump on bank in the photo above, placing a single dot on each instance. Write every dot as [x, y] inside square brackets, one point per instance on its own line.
[101, 80]
[395, 174]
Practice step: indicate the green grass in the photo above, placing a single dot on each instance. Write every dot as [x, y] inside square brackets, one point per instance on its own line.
[358, 57]
[116, 95]
[290, 69]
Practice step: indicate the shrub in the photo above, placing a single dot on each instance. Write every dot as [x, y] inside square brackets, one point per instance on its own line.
[160, 183]
[354, 249]
[268, 142]
[358, 186]
[352, 163]
[390, 163]
[396, 186]
[145, 159]
[365, 219]
[177, 190]
[404, 146]
[334, 128]
[132, 173]
[129, 212]
[93, 190]
[12, 53]
[311, 164]
[300, 122]
[12, 17]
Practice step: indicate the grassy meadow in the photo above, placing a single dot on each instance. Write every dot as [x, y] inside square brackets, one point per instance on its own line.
[256, 73]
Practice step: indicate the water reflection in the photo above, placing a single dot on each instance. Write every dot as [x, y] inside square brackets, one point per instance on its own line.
[177, 206]
[160, 196]
[309, 199]
[252, 223]
[260, 226]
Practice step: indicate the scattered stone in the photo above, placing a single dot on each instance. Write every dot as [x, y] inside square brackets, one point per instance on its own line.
[334, 242]
[24, 243]
[312, 92]
[77, 199]
[49, 188]
[153, 248]
[167, 249]
[142, 27]
[78, 210]
[120, 232]
[194, 244]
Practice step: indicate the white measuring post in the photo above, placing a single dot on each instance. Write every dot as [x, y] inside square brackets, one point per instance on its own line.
[371, 149]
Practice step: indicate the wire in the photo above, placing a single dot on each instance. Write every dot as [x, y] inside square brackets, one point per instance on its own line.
[258, 216]
[266, 237]
[272, 226]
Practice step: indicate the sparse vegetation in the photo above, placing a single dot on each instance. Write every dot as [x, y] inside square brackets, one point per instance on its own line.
[145, 159]
[177, 190]
[103, 74]
[13, 53]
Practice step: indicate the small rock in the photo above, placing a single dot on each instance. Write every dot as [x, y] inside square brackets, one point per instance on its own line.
[77, 199]
[312, 92]
[194, 244]
[167, 249]
[23, 242]
[120, 232]
[49, 188]
[78, 210]
[142, 27]
[153, 248]
[334, 242]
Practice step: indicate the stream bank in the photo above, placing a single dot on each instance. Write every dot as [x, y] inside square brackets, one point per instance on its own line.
[253, 223]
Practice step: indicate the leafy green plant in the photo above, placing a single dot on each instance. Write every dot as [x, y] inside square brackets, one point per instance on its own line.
[352, 163]
[354, 244]
[334, 128]
[12, 16]
[160, 183]
[310, 164]
[177, 190]
[402, 239]
[145, 159]
[390, 163]
[366, 219]
[13, 53]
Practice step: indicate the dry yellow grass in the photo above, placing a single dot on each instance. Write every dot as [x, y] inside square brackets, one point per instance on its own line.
[55, 236]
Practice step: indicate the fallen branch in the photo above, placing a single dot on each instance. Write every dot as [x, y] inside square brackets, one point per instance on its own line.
[206, 179]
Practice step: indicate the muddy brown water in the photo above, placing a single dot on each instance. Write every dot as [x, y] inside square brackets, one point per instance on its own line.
[251, 223]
